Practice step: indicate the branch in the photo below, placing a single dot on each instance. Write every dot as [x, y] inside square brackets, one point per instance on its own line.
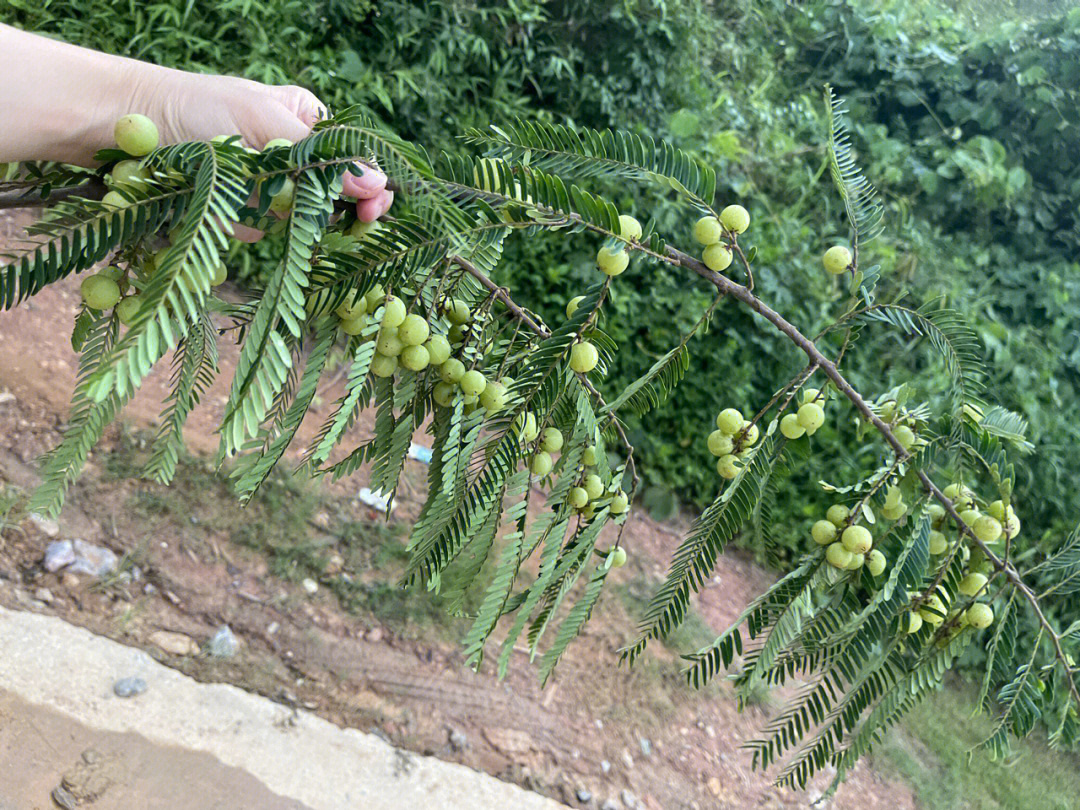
[93, 190]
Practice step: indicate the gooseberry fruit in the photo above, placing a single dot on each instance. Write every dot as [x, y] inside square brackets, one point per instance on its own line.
[114, 200]
[438, 348]
[393, 312]
[588, 456]
[493, 397]
[875, 563]
[414, 358]
[414, 330]
[972, 584]
[730, 421]
[823, 532]
[612, 261]
[127, 309]
[352, 307]
[354, 326]
[938, 542]
[717, 257]
[980, 616]
[856, 563]
[904, 435]
[727, 466]
[573, 304]
[389, 344]
[136, 134]
[838, 556]
[720, 444]
[452, 370]
[383, 366]
[735, 218]
[456, 311]
[969, 516]
[375, 296]
[583, 357]
[276, 143]
[443, 393]
[996, 509]
[218, 275]
[987, 529]
[811, 416]
[541, 464]
[914, 623]
[282, 202]
[620, 502]
[837, 259]
[749, 436]
[629, 227]
[129, 173]
[594, 485]
[361, 230]
[552, 440]
[472, 383]
[857, 539]
[99, 292]
[618, 557]
[936, 512]
[578, 497]
[837, 514]
[707, 231]
[791, 428]
[525, 425]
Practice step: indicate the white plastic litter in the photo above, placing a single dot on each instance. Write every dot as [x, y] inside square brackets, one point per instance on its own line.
[376, 500]
[420, 453]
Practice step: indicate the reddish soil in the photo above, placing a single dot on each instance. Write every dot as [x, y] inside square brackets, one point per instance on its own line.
[413, 688]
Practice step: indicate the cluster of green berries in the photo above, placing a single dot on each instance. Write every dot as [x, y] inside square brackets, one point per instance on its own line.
[590, 488]
[903, 423]
[614, 259]
[808, 418]
[731, 441]
[717, 234]
[854, 549]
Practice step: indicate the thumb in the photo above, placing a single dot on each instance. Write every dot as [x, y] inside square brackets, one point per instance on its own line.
[275, 120]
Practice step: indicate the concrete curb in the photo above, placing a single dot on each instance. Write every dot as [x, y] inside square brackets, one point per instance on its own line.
[300, 756]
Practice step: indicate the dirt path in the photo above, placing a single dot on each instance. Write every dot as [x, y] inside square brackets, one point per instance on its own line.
[598, 727]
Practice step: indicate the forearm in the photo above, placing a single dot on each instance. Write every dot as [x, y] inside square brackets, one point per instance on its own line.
[60, 101]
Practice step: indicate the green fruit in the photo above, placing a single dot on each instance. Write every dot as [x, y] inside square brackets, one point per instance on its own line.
[972, 584]
[352, 307]
[552, 440]
[493, 397]
[969, 516]
[1012, 525]
[812, 395]
[717, 257]
[875, 563]
[573, 304]
[456, 311]
[282, 202]
[720, 444]
[893, 495]
[393, 312]
[837, 514]
[129, 173]
[728, 466]
[857, 539]
[938, 542]
[838, 556]
[987, 529]
[472, 383]
[894, 512]
[936, 512]
[811, 416]
[127, 309]
[629, 228]
[414, 358]
[115, 200]
[219, 274]
[456, 334]
[904, 435]
[980, 616]
[612, 261]
[541, 464]
[354, 326]
[375, 296]
[749, 436]
[914, 623]
[583, 357]
[443, 393]
[823, 532]
[588, 456]
[361, 230]
[578, 498]
[707, 231]
[383, 366]
[594, 485]
[525, 425]
[618, 557]
[620, 502]
[452, 370]
[438, 348]
[414, 330]
[99, 292]
[389, 344]
[857, 561]
[277, 143]
[730, 421]
[735, 218]
[136, 134]
[997, 510]
[791, 428]
[837, 259]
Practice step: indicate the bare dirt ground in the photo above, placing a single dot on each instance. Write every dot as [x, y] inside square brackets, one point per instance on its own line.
[668, 746]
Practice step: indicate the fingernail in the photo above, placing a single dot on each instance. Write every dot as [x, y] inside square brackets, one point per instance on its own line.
[371, 179]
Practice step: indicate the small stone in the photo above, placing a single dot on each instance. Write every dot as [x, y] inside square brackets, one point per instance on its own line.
[609, 804]
[272, 628]
[69, 581]
[6, 397]
[224, 643]
[44, 595]
[713, 785]
[599, 724]
[129, 687]
[311, 586]
[334, 565]
[374, 635]
[646, 746]
[629, 799]
[458, 740]
[628, 760]
[710, 732]
[584, 796]
[63, 798]
[58, 554]
[93, 560]
[173, 643]
[47, 526]
[91, 757]
[605, 766]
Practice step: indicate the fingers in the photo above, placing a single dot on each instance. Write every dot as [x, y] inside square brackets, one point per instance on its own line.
[371, 209]
[276, 121]
[368, 184]
[304, 104]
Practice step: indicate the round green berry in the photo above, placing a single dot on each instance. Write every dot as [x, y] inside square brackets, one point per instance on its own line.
[980, 616]
[823, 532]
[837, 514]
[493, 397]
[393, 312]
[552, 440]
[730, 421]
[594, 485]
[383, 366]
[618, 557]
[749, 435]
[389, 344]
[969, 516]
[472, 383]
[857, 539]
[136, 134]
[938, 542]
[620, 502]
[352, 307]
[525, 425]
[972, 584]
[629, 228]
[838, 556]
[612, 261]
[541, 464]
[578, 498]
[438, 348]
[115, 200]
[414, 330]
[720, 443]
[443, 393]
[457, 311]
[987, 529]
[282, 202]
[707, 231]
[735, 218]
[573, 304]
[452, 370]
[811, 416]
[127, 309]
[583, 357]
[913, 623]
[218, 274]
[904, 435]
[129, 173]
[588, 456]
[99, 292]
[791, 428]
[414, 358]
[362, 230]
[375, 296]
[717, 257]
[875, 563]
[857, 562]
[727, 466]
[837, 259]
[936, 512]
[354, 326]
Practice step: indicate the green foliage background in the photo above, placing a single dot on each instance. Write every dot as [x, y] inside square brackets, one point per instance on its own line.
[965, 117]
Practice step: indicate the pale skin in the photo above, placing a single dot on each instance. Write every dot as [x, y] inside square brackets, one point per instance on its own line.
[61, 102]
